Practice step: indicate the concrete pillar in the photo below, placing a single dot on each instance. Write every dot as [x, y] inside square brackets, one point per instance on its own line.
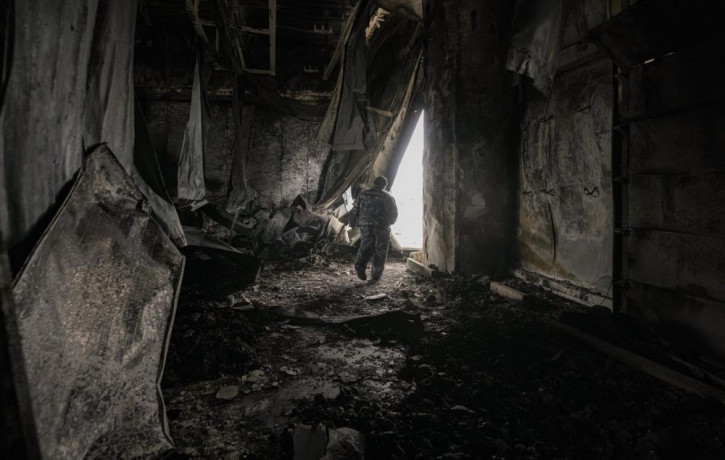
[470, 154]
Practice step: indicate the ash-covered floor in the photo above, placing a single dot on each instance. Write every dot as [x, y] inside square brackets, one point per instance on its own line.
[478, 377]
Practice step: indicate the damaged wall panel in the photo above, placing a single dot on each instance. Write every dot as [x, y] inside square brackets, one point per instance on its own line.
[565, 202]
[95, 304]
[535, 41]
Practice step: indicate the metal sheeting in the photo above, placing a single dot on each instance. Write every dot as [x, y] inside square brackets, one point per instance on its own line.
[565, 204]
[191, 160]
[95, 304]
[535, 41]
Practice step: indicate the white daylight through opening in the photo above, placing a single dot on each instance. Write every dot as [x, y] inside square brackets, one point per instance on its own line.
[408, 192]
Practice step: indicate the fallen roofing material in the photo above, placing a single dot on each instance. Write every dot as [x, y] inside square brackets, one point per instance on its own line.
[216, 267]
[96, 300]
[407, 325]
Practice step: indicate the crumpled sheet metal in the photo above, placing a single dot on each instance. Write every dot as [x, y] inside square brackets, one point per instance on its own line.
[535, 42]
[96, 300]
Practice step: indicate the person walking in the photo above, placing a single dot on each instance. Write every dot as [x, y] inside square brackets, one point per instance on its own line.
[375, 211]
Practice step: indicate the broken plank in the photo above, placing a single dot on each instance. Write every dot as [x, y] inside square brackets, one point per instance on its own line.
[507, 292]
[414, 266]
[641, 363]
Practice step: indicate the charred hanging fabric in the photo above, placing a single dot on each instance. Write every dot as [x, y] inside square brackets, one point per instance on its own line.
[110, 112]
[39, 154]
[95, 303]
[354, 127]
[109, 108]
[191, 160]
[147, 176]
[395, 45]
[535, 41]
[240, 192]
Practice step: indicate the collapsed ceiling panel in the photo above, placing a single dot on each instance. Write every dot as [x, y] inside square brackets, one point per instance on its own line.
[95, 304]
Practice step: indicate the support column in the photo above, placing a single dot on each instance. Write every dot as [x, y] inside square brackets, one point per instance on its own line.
[470, 154]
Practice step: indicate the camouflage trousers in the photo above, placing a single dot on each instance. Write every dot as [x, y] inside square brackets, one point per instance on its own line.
[373, 245]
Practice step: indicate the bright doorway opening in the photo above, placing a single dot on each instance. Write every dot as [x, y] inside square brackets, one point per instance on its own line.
[408, 192]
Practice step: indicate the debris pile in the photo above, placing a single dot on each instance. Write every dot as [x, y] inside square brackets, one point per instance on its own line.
[291, 231]
[209, 343]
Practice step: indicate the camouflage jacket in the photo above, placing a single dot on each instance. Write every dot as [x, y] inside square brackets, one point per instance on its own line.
[375, 208]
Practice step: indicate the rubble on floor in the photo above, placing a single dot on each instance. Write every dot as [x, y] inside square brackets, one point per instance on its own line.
[483, 378]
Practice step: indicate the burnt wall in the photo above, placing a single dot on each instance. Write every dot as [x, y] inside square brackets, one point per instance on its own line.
[284, 158]
[167, 120]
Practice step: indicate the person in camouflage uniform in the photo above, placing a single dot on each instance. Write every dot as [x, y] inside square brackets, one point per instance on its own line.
[376, 211]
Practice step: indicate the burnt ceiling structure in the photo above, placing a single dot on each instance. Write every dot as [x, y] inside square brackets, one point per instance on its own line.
[177, 179]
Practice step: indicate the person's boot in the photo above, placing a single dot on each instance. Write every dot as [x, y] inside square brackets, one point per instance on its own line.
[361, 272]
[376, 274]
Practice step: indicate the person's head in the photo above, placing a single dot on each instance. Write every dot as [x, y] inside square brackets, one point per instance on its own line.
[380, 183]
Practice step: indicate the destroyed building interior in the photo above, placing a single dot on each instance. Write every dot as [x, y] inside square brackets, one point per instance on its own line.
[178, 240]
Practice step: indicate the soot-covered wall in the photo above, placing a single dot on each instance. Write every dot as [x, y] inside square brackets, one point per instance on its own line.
[284, 159]
[166, 122]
